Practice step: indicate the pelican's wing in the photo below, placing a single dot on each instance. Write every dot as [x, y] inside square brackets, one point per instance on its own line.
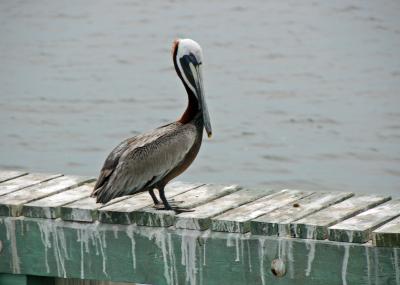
[110, 163]
[147, 160]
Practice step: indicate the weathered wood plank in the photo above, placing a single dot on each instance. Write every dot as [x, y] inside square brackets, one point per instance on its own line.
[10, 174]
[130, 211]
[11, 204]
[25, 181]
[238, 219]
[278, 221]
[358, 229]
[149, 216]
[315, 226]
[387, 235]
[164, 256]
[49, 207]
[200, 218]
[86, 210]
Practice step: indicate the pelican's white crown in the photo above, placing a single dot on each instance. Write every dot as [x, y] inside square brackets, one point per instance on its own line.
[188, 46]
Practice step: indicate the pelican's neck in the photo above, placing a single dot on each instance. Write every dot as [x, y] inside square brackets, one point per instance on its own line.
[192, 108]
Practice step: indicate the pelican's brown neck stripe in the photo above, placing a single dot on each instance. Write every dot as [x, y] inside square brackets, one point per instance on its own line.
[192, 106]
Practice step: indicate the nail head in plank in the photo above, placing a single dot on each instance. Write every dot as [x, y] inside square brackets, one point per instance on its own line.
[86, 210]
[124, 212]
[238, 220]
[149, 216]
[200, 218]
[49, 207]
[358, 229]
[387, 235]
[12, 203]
[25, 181]
[278, 221]
[10, 174]
[315, 226]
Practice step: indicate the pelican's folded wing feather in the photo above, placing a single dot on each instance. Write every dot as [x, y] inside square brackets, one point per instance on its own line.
[147, 160]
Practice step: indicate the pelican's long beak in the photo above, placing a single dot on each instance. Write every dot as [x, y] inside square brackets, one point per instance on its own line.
[194, 75]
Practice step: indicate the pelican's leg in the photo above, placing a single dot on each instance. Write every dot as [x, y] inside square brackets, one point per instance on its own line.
[153, 196]
[167, 206]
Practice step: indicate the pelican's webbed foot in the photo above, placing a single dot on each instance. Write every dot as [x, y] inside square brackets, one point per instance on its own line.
[174, 208]
[170, 205]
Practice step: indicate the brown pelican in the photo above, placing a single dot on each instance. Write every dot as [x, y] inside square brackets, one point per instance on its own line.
[150, 160]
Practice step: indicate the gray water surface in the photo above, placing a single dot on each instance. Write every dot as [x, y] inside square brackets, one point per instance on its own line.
[301, 94]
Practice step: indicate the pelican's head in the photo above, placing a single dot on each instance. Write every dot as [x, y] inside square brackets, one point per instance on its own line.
[188, 59]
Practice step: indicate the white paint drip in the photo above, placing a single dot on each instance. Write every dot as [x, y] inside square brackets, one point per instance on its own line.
[160, 240]
[249, 255]
[204, 253]
[187, 223]
[90, 235]
[396, 265]
[311, 254]
[160, 236]
[261, 255]
[44, 236]
[310, 232]
[242, 249]
[283, 230]
[291, 258]
[344, 264]
[376, 261]
[350, 236]
[22, 227]
[188, 249]
[281, 248]
[229, 240]
[172, 258]
[80, 240]
[129, 232]
[115, 231]
[368, 265]
[103, 245]
[47, 213]
[346, 257]
[79, 215]
[205, 238]
[11, 236]
[59, 254]
[237, 259]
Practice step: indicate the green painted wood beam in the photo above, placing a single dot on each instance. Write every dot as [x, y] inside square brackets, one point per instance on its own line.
[20, 279]
[151, 255]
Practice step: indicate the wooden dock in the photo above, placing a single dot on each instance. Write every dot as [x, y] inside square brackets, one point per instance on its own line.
[50, 229]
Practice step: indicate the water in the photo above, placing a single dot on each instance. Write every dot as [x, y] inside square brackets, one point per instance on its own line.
[301, 95]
